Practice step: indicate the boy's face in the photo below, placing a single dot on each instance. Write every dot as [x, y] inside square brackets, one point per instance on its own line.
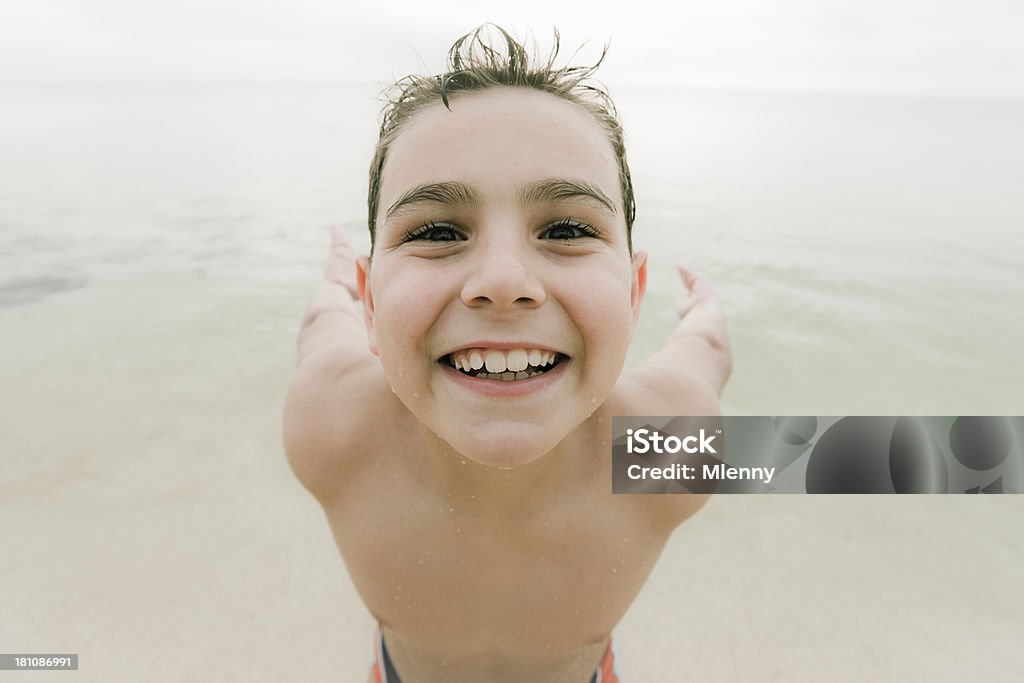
[501, 241]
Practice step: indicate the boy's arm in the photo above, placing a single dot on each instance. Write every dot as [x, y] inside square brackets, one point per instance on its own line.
[336, 381]
[698, 350]
[685, 377]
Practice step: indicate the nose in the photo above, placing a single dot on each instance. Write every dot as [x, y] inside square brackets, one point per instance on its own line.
[501, 278]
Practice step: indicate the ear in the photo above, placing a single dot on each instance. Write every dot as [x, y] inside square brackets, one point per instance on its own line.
[366, 296]
[639, 285]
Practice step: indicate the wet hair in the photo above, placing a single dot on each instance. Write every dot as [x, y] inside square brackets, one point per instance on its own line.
[488, 57]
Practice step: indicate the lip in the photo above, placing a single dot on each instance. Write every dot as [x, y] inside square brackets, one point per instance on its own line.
[505, 389]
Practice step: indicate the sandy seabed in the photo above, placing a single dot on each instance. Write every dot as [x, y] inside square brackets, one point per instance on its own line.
[150, 524]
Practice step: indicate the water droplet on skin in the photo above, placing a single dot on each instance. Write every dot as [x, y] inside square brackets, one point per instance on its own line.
[614, 570]
[593, 400]
[463, 462]
[451, 509]
[415, 394]
[472, 497]
[599, 420]
[458, 531]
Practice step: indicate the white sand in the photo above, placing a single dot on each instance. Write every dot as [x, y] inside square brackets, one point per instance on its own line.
[149, 523]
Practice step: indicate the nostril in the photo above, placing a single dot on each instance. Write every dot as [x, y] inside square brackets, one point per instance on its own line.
[502, 288]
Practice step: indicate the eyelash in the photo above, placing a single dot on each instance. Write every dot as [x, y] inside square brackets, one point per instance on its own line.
[587, 230]
[421, 233]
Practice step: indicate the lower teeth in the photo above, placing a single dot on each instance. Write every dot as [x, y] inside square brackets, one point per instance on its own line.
[507, 376]
[504, 376]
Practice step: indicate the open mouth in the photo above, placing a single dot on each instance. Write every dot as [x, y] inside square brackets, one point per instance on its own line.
[506, 366]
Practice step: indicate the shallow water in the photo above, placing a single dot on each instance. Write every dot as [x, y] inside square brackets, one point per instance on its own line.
[867, 249]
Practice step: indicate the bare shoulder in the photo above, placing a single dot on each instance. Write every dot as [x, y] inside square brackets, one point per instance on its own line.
[648, 390]
[677, 392]
[332, 408]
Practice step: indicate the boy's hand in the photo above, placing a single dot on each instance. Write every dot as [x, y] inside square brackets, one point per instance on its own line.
[702, 319]
[341, 261]
[332, 320]
[699, 308]
[697, 349]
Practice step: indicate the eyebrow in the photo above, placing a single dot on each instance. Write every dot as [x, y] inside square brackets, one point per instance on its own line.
[455, 193]
[450, 192]
[553, 189]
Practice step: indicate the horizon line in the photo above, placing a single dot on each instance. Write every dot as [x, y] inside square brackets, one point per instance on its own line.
[611, 84]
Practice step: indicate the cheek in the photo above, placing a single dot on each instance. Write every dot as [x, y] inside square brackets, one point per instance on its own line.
[601, 307]
[406, 307]
[400, 331]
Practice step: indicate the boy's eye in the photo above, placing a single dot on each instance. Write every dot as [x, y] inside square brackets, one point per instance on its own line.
[433, 232]
[568, 229]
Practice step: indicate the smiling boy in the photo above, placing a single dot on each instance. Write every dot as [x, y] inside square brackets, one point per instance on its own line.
[462, 455]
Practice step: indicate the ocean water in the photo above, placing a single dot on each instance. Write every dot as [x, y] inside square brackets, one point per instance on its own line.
[868, 250]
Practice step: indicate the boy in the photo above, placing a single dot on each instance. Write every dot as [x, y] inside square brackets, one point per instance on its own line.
[463, 458]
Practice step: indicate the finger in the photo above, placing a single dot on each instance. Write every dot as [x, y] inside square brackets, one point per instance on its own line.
[689, 276]
[684, 306]
[340, 241]
[695, 281]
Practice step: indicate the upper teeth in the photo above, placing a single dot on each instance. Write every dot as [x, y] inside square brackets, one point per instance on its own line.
[513, 360]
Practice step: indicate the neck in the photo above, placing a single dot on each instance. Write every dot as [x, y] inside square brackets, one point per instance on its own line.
[506, 492]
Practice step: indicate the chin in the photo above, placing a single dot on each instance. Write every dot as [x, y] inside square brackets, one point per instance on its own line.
[506, 448]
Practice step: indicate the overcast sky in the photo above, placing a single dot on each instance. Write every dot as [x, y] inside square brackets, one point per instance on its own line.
[909, 46]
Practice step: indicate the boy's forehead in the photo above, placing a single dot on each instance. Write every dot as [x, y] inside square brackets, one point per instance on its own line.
[497, 137]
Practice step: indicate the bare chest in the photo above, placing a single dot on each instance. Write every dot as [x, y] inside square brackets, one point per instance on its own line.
[450, 576]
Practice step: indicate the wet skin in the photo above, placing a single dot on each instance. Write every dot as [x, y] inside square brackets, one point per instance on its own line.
[523, 245]
[474, 513]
